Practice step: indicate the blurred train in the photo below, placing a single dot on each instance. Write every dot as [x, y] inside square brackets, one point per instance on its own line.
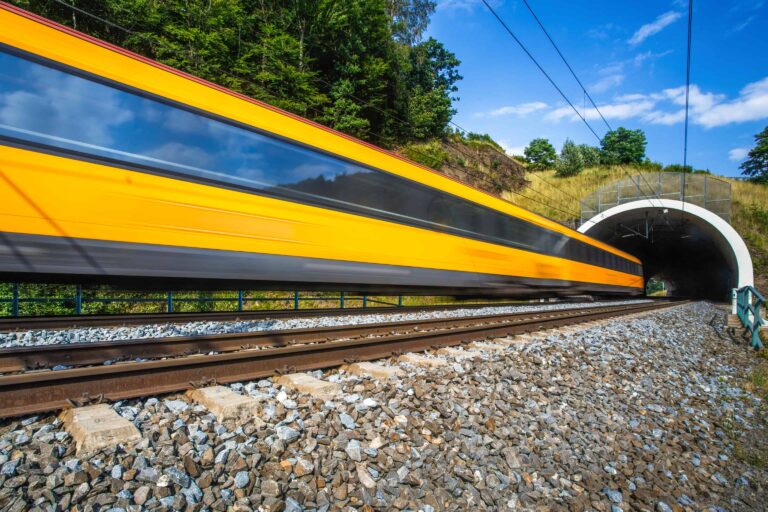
[118, 169]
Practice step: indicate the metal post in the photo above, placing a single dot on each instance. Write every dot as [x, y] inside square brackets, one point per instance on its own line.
[706, 191]
[239, 300]
[599, 200]
[296, 299]
[79, 299]
[734, 300]
[659, 192]
[15, 304]
[341, 300]
[365, 300]
[399, 301]
[170, 302]
[681, 196]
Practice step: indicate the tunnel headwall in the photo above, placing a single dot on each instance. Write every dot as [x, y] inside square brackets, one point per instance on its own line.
[691, 248]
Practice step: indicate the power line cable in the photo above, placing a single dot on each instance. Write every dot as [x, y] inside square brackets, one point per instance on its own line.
[566, 63]
[687, 92]
[522, 46]
[551, 81]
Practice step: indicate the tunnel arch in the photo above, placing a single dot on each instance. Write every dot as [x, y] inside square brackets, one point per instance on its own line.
[687, 245]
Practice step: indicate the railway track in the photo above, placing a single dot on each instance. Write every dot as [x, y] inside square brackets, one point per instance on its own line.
[247, 356]
[61, 322]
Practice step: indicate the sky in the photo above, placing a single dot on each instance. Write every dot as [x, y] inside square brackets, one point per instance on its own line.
[630, 56]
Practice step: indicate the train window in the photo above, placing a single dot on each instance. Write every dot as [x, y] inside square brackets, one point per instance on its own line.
[48, 106]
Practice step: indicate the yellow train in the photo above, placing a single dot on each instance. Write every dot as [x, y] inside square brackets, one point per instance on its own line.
[115, 168]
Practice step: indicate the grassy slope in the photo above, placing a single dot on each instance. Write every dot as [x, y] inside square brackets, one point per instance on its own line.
[549, 195]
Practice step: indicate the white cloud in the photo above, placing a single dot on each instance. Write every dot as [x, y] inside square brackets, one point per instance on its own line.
[666, 107]
[741, 26]
[640, 58]
[608, 82]
[617, 110]
[738, 154]
[751, 105]
[510, 149]
[520, 109]
[602, 32]
[656, 26]
[461, 5]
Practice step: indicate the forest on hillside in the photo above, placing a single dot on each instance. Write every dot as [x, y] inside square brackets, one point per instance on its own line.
[362, 67]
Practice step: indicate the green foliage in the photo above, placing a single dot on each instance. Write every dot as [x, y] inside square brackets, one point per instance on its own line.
[622, 146]
[590, 155]
[650, 166]
[678, 168]
[571, 160]
[655, 287]
[475, 139]
[430, 154]
[359, 66]
[686, 169]
[756, 164]
[540, 155]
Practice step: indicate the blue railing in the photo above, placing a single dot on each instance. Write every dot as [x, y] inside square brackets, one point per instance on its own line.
[293, 300]
[748, 305]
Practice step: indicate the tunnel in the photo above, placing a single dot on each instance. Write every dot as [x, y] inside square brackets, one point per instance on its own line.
[693, 251]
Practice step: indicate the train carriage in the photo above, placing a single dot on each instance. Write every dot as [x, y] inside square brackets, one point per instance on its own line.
[119, 169]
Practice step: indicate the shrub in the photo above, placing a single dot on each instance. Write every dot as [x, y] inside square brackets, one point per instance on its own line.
[571, 160]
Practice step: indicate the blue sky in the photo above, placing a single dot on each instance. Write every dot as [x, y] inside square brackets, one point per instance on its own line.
[631, 57]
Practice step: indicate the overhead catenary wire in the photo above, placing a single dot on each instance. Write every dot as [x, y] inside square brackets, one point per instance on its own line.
[687, 93]
[551, 81]
[262, 86]
[565, 61]
[536, 62]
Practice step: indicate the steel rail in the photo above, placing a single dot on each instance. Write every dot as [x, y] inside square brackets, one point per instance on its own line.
[78, 354]
[57, 322]
[35, 392]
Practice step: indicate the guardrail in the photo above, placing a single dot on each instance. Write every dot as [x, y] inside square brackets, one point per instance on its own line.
[748, 302]
[293, 300]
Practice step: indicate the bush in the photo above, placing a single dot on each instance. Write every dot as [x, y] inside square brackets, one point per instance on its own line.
[590, 155]
[678, 168]
[571, 160]
[651, 166]
[430, 154]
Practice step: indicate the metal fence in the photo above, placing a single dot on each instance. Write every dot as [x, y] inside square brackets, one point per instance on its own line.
[700, 189]
[169, 302]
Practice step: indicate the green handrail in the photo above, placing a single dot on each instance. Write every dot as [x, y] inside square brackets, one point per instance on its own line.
[748, 304]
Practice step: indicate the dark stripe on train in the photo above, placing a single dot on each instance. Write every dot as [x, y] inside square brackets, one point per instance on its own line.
[378, 193]
[58, 257]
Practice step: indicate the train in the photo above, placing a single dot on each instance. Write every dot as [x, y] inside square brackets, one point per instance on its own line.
[119, 169]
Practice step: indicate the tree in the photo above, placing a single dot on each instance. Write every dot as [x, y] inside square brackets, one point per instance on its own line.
[756, 164]
[410, 18]
[540, 154]
[590, 155]
[622, 146]
[571, 160]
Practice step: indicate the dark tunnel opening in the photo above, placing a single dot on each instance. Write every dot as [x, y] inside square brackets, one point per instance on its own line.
[692, 257]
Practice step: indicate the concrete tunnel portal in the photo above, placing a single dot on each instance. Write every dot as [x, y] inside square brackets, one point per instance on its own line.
[693, 250]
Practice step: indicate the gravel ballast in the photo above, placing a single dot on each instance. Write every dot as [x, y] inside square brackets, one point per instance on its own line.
[93, 334]
[638, 414]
